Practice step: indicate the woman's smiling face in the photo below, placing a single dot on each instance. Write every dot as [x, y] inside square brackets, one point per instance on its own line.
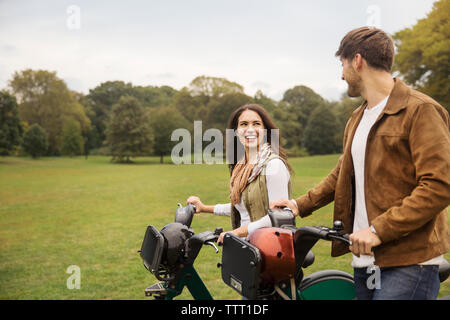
[250, 129]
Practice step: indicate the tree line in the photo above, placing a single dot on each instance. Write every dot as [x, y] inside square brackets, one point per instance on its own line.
[41, 116]
[115, 118]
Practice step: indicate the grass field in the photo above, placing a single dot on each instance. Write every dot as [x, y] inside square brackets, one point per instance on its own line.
[57, 212]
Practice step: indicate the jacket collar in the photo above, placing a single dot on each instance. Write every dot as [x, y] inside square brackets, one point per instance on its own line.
[397, 99]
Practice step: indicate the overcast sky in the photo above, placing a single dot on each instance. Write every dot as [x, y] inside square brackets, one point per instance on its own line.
[260, 44]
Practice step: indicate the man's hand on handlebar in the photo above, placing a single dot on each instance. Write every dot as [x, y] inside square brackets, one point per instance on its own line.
[281, 203]
[363, 241]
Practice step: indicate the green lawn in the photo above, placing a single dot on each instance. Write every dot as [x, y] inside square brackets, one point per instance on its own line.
[57, 212]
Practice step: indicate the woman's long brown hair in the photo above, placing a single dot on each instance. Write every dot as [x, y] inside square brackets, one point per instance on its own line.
[269, 124]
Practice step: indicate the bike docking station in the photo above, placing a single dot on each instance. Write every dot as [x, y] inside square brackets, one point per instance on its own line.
[266, 268]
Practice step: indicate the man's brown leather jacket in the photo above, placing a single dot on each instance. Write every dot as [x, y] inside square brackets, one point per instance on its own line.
[407, 180]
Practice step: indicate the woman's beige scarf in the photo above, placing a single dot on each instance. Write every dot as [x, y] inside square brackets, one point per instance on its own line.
[245, 172]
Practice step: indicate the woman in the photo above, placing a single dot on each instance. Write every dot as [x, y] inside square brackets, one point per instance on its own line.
[261, 175]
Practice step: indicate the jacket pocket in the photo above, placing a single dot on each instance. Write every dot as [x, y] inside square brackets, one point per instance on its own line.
[391, 149]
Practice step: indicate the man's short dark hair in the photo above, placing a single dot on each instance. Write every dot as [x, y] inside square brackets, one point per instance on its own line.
[373, 44]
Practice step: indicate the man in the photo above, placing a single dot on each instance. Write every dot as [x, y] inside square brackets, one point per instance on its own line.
[391, 186]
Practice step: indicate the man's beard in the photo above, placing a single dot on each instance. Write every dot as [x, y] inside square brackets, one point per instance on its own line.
[353, 91]
[354, 85]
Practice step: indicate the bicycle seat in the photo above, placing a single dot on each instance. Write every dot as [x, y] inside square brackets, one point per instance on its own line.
[444, 270]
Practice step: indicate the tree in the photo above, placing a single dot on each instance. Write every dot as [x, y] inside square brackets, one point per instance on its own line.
[151, 96]
[128, 133]
[11, 129]
[163, 122]
[100, 100]
[290, 128]
[295, 109]
[220, 109]
[302, 101]
[423, 53]
[90, 137]
[321, 132]
[72, 139]
[45, 99]
[263, 100]
[191, 107]
[343, 110]
[214, 87]
[35, 142]
[211, 100]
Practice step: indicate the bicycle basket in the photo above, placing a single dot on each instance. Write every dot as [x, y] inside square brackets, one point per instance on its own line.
[241, 266]
[152, 249]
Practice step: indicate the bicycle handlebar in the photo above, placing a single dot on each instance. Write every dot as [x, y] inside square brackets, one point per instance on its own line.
[325, 233]
[195, 243]
[306, 236]
[279, 218]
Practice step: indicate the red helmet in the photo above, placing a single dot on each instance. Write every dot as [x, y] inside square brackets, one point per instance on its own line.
[277, 253]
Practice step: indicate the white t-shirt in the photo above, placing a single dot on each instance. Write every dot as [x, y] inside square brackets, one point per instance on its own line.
[358, 154]
[277, 180]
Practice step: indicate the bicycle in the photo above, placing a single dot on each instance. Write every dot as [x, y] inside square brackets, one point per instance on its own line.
[273, 273]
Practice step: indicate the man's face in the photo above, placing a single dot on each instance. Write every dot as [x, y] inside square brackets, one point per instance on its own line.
[352, 78]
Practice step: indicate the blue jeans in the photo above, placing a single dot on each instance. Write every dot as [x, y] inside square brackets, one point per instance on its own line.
[414, 282]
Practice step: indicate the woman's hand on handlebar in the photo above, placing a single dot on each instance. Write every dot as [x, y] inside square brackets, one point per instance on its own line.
[196, 202]
[200, 207]
[222, 235]
[281, 203]
[241, 232]
[220, 239]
